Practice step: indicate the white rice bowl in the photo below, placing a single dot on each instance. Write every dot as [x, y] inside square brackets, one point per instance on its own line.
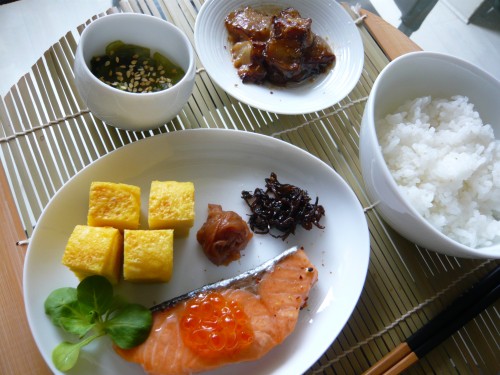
[446, 162]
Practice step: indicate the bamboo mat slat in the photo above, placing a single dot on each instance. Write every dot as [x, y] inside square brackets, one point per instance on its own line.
[47, 135]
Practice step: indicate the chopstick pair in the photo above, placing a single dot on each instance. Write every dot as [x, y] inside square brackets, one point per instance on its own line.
[460, 311]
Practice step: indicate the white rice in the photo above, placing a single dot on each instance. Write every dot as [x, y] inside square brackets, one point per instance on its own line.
[447, 163]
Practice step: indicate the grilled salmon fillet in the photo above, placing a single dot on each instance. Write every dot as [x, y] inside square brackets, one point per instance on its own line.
[270, 296]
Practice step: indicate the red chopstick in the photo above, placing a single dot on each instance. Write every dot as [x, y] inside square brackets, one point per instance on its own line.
[457, 314]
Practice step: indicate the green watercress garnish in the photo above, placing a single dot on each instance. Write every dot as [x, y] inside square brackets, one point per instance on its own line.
[90, 311]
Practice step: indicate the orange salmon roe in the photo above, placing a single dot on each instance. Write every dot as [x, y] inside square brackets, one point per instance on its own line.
[213, 326]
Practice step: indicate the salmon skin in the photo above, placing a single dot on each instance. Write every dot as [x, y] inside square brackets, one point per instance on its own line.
[245, 279]
[271, 297]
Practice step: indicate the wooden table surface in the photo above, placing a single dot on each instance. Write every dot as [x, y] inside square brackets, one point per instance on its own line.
[19, 354]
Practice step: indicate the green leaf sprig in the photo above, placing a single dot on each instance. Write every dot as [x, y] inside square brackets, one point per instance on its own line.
[90, 311]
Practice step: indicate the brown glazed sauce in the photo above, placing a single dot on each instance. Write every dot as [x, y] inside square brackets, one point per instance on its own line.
[276, 47]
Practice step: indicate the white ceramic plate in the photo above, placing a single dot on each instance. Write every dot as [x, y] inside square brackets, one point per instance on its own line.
[329, 20]
[221, 163]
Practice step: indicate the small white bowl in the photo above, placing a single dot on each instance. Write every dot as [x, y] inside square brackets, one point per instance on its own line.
[406, 78]
[126, 110]
[329, 20]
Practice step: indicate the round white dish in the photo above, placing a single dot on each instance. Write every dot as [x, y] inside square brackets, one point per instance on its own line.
[221, 163]
[329, 20]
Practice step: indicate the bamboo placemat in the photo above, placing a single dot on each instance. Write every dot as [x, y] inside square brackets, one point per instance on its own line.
[47, 135]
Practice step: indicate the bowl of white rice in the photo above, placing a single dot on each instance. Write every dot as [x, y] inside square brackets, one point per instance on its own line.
[430, 153]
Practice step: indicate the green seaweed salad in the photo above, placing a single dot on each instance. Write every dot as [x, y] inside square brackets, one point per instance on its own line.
[92, 310]
[133, 68]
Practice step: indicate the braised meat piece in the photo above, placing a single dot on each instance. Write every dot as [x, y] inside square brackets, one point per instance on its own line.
[319, 54]
[248, 24]
[248, 31]
[279, 48]
[318, 59]
[294, 52]
[248, 59]
[283, 59]
[289, 25]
